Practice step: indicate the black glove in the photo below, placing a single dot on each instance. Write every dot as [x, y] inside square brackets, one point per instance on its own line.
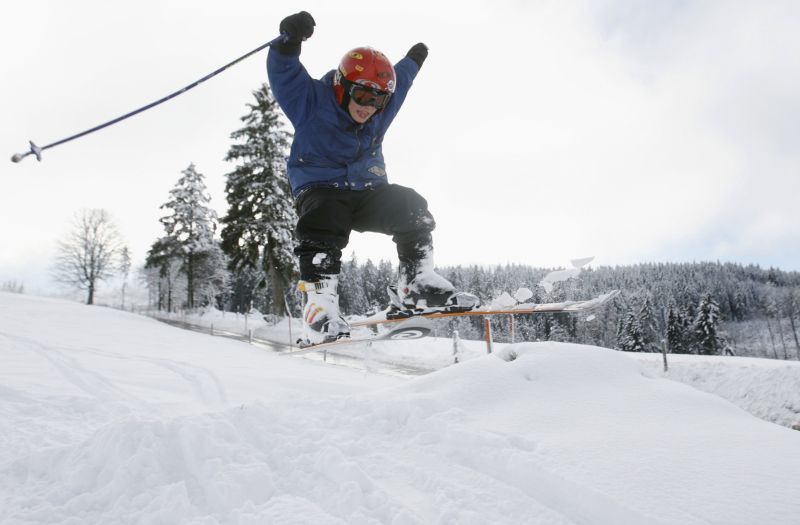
[296, 27]
[418, 53]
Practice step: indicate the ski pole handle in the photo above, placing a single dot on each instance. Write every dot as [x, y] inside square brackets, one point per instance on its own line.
[37, 151]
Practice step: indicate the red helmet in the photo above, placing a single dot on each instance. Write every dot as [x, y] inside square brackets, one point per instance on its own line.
[365, 71]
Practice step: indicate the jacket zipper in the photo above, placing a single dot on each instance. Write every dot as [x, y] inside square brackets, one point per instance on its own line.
[358, 151]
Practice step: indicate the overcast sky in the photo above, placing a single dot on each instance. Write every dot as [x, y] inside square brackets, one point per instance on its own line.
[538, 131]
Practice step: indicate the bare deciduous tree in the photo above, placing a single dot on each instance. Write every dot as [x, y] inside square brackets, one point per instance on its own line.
[89, 253]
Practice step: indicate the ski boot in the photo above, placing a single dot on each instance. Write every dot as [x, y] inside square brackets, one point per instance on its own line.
[322, 321]
[428, 292]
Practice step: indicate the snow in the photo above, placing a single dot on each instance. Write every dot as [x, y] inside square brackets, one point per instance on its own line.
[557, 276]
[503, 302]
[767, 388]
[109, 417]
[522, 295]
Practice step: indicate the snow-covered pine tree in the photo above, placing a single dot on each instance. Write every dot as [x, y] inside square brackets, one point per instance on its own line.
[375, 279]
[558, 332]
[352, 296]
[386, 276]
[688, 315]
[242, 294]
[675, 331]
[705, 327]
[647, 324]
[211, 276]
[630, 335]
[369, 281]
[162, 271]
[259, 225]
[192, 224]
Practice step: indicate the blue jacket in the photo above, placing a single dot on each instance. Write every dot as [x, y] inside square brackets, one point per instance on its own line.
[330, 148]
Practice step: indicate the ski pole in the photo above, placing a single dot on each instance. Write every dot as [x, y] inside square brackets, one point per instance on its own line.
[37, 151]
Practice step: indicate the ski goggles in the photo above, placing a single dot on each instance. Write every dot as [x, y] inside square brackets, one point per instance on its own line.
[367, 96]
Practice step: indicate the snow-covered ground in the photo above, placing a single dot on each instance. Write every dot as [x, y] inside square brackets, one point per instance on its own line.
[767, 388]
[109, 417]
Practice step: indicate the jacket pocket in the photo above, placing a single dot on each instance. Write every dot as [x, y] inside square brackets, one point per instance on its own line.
[315, 161]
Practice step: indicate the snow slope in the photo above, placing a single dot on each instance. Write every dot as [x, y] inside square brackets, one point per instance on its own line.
[767, 388]
[106, 417]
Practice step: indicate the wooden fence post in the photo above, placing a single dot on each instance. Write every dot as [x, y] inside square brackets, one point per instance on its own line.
[487, 332]
[289, 316]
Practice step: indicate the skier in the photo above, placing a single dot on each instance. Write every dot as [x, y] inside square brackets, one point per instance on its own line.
[338, 177]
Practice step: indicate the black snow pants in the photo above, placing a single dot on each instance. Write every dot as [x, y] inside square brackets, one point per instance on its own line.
[328, 215]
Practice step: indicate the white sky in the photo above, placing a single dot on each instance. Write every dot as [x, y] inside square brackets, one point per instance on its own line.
[538, 131]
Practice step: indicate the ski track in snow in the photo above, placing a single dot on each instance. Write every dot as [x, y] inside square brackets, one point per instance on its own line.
[206, 385]
[92, 383]
[95, 400]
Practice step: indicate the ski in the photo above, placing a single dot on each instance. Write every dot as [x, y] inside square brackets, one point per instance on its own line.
[393, 315]
[416, 324]
[412, 329]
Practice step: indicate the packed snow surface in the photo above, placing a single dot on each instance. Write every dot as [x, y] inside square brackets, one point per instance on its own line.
[106, 417]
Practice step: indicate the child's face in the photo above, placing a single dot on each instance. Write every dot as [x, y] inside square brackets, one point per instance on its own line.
[360, 114]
